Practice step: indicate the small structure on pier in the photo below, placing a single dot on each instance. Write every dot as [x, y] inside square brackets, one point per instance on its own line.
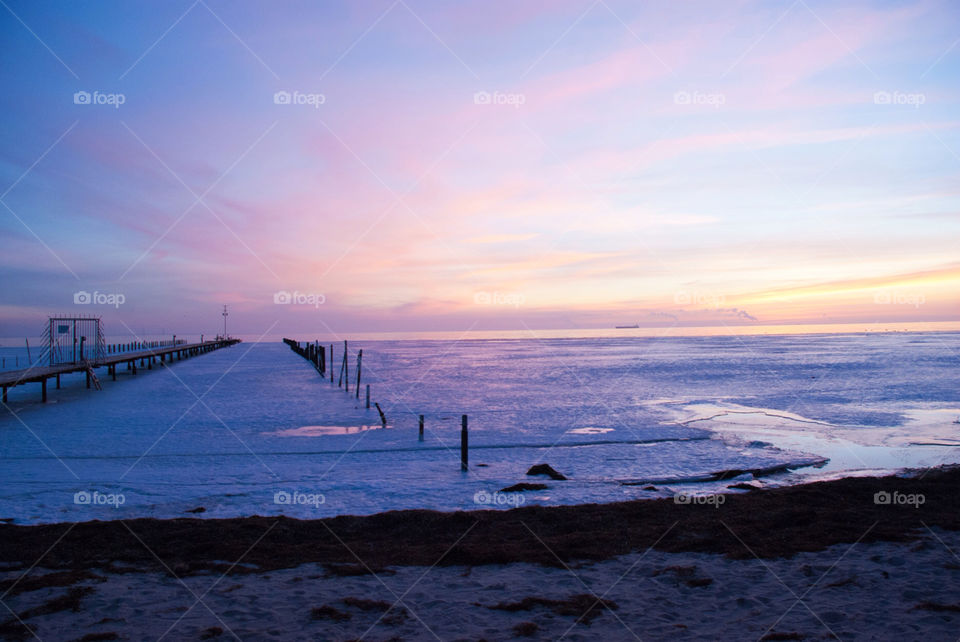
[74, 340]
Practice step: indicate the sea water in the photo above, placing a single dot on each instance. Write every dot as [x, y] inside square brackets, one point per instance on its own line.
[255, 430]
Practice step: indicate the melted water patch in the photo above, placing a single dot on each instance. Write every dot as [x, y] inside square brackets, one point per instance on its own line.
[589, 430]
[321, 431]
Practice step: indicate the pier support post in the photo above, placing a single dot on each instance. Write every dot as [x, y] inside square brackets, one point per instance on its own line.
[58, 382]
[464, 451]
[4, 394]
[368, 396]
[421, 428]
[43, 390]
[113, 371]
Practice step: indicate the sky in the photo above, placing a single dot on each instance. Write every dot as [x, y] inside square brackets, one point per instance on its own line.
[406, 165]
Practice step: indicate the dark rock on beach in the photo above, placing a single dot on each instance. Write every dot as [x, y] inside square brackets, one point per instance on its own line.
[545, 469]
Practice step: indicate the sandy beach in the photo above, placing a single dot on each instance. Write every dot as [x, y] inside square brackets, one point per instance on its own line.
[864, 592]
[824, 560]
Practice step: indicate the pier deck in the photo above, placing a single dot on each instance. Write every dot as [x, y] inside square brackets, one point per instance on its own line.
[40, 374]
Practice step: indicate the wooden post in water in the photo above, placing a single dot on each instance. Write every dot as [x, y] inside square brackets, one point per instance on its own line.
[368, 396]
[463, 443]
[331, 364]
[43, 390]
[359, 358]
[343, 364]
[421, 427]
[383, 417]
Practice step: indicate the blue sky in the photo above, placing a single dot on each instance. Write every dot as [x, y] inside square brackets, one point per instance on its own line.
[687, 163]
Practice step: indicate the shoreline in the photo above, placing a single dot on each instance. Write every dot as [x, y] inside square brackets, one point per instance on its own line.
[735, 567]
[767, 523]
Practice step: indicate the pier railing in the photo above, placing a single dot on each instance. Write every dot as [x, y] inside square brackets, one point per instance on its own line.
[145, 353]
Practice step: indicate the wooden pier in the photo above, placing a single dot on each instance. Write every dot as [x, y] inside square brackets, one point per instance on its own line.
[146, 357]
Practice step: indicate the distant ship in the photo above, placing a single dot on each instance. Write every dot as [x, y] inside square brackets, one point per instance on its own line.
[625, 327]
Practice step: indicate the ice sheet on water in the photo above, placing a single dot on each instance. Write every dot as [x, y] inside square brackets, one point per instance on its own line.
[235, 427]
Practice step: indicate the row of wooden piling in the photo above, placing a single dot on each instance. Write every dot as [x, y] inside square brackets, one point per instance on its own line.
[317, 355]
